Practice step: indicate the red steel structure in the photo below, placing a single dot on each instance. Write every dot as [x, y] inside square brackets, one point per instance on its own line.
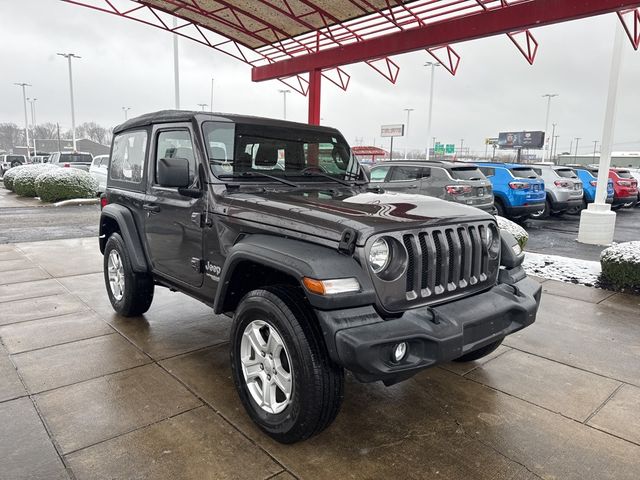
[299, 42]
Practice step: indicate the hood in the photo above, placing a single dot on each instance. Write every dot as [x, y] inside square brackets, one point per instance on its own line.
[327, 213]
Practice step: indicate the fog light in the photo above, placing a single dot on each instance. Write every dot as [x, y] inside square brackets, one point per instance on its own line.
[399, 351]
[517, 249]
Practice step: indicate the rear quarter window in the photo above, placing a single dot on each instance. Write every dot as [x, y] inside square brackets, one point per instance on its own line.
[128, 157]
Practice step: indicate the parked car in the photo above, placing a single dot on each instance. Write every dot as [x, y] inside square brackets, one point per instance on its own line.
[453, 181]
[8, 161]
[518, 191]
[79, 160]
[40, 159]
[636, 174]
[562, 186]
[99, 169]
[589, 178]
[625, 187]
[319, 271]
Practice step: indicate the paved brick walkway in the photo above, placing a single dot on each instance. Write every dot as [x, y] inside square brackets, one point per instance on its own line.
[87, 394]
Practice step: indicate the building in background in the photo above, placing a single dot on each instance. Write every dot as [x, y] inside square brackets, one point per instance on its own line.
[44, 147]
[618, 159]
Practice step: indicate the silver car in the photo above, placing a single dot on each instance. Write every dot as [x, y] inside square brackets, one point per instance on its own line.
[563, 188]
[99, 169]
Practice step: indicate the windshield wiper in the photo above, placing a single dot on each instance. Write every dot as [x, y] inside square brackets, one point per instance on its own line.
[260, 174]
[330, 177]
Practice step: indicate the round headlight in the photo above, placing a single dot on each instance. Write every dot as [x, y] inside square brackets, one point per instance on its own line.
[488, 237]
[379, 255]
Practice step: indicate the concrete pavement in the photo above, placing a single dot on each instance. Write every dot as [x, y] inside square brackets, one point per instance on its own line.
[87, 394]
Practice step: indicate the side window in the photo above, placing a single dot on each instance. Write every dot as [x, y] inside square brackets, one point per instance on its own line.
[538, 171]
[378, 174]
[128, 157]
[177, 144]
[403, 174]
[425, 172]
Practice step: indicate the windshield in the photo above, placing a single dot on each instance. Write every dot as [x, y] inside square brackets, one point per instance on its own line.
[467, 173]
[624, 174]
[13, 158]
[523, 172]
[566, 173]
[75, 157]
[251, 151]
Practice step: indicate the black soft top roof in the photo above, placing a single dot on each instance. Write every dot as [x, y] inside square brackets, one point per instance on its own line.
[174, 116]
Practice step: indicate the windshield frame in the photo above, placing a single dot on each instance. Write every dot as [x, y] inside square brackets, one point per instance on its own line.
[290, 137]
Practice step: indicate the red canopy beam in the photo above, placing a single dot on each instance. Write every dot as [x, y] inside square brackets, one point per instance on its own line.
[487, 23]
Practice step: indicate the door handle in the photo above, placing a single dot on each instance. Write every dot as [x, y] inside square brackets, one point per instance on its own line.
[412, 186]
[150, 207]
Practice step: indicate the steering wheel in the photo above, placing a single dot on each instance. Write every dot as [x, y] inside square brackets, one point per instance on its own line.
[313, 168]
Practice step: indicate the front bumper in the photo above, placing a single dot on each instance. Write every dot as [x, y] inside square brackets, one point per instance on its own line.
[361, 341]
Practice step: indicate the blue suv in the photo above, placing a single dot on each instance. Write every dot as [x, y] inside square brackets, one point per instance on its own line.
[589, 179]
[517, 189]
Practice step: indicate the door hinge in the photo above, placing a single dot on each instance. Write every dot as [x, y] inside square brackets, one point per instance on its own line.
[200, 219]
[197, 264]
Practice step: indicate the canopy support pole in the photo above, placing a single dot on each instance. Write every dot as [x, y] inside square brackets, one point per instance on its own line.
[315, 81]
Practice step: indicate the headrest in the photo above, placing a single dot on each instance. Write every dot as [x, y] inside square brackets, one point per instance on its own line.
[267, 155]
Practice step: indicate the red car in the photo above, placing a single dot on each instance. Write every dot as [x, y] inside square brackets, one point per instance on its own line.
[625, 187]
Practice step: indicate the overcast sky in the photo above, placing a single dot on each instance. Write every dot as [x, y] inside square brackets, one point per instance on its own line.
[125, 63]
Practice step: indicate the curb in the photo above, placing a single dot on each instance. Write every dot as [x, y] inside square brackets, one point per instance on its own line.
[77, 202]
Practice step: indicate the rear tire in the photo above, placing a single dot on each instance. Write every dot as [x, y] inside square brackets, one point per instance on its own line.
[130, 293]
[500, 210]
[479, 353]
[544, 213]
[314, 382]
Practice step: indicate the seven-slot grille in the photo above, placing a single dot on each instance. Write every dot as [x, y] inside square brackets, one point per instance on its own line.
[445, 260]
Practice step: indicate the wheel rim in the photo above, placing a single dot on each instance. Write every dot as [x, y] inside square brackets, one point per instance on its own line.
[116, 275]
[266, 367]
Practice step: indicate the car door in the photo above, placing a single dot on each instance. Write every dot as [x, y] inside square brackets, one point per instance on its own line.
[173, 231]
[403, 178]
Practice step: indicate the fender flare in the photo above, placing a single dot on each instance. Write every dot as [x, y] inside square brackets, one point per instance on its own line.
[129, 233]
[298, 259]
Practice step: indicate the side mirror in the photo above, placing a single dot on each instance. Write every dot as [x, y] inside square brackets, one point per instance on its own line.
[173, 172]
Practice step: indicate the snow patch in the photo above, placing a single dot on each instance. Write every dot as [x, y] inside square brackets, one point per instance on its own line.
[628, 252]
[564, 269]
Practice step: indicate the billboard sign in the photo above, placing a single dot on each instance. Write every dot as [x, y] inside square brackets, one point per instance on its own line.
[392, 130]
[514, 140]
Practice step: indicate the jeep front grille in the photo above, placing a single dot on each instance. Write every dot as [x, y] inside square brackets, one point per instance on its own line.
[442, 263]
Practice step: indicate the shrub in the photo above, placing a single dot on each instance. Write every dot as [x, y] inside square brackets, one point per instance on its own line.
[65, 183]
[10, 175]
[24, 181]
[520, 234]
[621, 266]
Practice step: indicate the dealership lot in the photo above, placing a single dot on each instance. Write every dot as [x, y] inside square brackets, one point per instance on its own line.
[87, 394]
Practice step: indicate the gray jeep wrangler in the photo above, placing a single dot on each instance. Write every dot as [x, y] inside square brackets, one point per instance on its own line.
[274, 224]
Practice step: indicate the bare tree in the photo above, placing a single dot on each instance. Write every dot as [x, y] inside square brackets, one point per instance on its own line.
[93, 131]
[46, 131]
[10, 136]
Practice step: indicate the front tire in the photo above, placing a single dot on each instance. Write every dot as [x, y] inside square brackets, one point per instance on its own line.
[130, 293]
[479, 353]
[281, 368]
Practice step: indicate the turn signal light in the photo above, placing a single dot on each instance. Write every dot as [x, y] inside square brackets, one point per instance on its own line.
[331, 287]
[103, 201]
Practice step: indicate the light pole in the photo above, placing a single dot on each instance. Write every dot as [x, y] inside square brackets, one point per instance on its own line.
[202, 105]
[553, 134]
[69, 56]
[461, 146]
[176, 65]
[549, 96]
[595, 147]
[433, 66]
[211, 104]
[576, 154]
[284, 101]
[555, 147]
[406, 133]
[126, 112]
[26, 118]
[32, 101]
